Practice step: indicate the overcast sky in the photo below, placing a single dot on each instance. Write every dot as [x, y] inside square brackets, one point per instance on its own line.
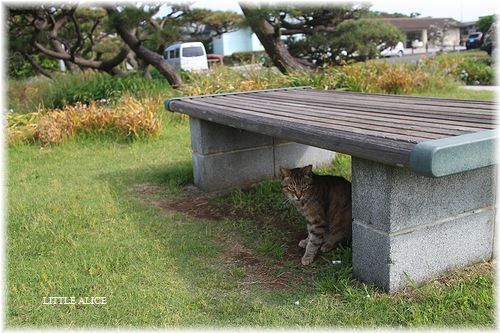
[461, 10]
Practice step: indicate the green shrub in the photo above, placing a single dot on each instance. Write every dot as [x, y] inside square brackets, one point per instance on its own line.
[475, 72]
[87, 87]
[69, 89]
[19, 68]
[471, 67]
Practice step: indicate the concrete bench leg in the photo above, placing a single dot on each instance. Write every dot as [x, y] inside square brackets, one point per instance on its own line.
[415, 226]
[226, 157]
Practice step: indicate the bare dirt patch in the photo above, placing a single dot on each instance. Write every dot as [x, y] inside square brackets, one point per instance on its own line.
[199, 207]
[258, 270]
[146, 189]
[204, 207]
[192, 202]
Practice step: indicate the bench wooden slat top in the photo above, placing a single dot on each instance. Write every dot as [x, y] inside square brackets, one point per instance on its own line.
[383, 128]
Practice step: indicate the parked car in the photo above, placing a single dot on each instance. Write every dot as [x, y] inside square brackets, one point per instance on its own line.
[187, 56]
[392, 51]
[489, 40]
[215, 60]
[474, 40]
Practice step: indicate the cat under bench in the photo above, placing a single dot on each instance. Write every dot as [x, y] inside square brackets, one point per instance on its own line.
[423, 173]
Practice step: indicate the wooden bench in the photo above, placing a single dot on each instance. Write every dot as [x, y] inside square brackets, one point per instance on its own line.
[423, 170]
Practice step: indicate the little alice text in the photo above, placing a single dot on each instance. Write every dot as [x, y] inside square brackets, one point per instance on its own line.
[63, 300]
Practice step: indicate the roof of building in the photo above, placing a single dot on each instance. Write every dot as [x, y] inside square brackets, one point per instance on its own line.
[468, 23]
[407, 23]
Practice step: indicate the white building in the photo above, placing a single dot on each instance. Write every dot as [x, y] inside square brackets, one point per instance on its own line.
[236, 41]
[419, 28]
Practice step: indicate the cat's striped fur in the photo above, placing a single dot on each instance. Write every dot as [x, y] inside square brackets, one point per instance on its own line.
[325, 202]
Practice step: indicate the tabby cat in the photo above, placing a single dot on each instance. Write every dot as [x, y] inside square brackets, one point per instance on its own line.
[325, 202]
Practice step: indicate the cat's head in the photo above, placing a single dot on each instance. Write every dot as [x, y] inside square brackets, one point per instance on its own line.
[297, 183]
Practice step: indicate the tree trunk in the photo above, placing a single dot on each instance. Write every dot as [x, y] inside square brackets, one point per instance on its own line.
[144, 67]
[131, 59]
[142, 52]
[58, 46]
[272, 42]
[36, 65]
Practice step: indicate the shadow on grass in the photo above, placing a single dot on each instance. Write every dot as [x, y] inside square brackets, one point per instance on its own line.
[170, 177]
[240, 249]
[245, 237]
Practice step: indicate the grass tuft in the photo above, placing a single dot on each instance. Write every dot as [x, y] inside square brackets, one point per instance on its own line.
[130, 119]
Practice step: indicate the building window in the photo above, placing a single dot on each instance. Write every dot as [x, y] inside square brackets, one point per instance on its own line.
[411, 36]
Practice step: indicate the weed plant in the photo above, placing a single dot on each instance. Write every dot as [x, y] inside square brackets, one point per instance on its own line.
[69, 89]
[129, 119]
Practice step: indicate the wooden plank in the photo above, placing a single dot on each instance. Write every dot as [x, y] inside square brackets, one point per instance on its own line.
[422, 123]
[409, 108]
[374, 131]
[389, 127]
[378, 149]
[408, 97]
[413, 103]
[457, 116]
[390, 116]
[399, 99]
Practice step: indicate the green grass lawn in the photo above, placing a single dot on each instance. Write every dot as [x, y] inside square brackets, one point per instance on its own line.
[461, 93]
[93, 217]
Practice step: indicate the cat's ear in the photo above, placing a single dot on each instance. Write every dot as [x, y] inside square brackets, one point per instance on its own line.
[307, 170]
[284, 172]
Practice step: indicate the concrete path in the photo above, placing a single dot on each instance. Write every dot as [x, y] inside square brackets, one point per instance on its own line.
[407, 59]
[490, 88]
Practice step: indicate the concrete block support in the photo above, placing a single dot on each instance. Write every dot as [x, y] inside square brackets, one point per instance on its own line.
[226, 157]
[411, 226]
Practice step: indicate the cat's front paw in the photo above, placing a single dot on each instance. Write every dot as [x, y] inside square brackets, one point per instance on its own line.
[326, 247]
[307, 260]
[303, 243]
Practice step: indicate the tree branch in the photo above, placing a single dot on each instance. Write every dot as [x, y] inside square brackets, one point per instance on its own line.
[142, 52]
[79, 41]
[118, 59]
[36, 65]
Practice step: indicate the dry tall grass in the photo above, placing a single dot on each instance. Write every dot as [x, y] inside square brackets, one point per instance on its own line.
[134, 118]
[370, 77]
[131, 118]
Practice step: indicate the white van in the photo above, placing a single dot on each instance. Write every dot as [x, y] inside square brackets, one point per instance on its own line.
[397, 50]
[188, 56]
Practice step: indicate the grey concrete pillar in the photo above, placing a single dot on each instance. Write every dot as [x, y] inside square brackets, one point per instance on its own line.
[226, 157]
[410, 226]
